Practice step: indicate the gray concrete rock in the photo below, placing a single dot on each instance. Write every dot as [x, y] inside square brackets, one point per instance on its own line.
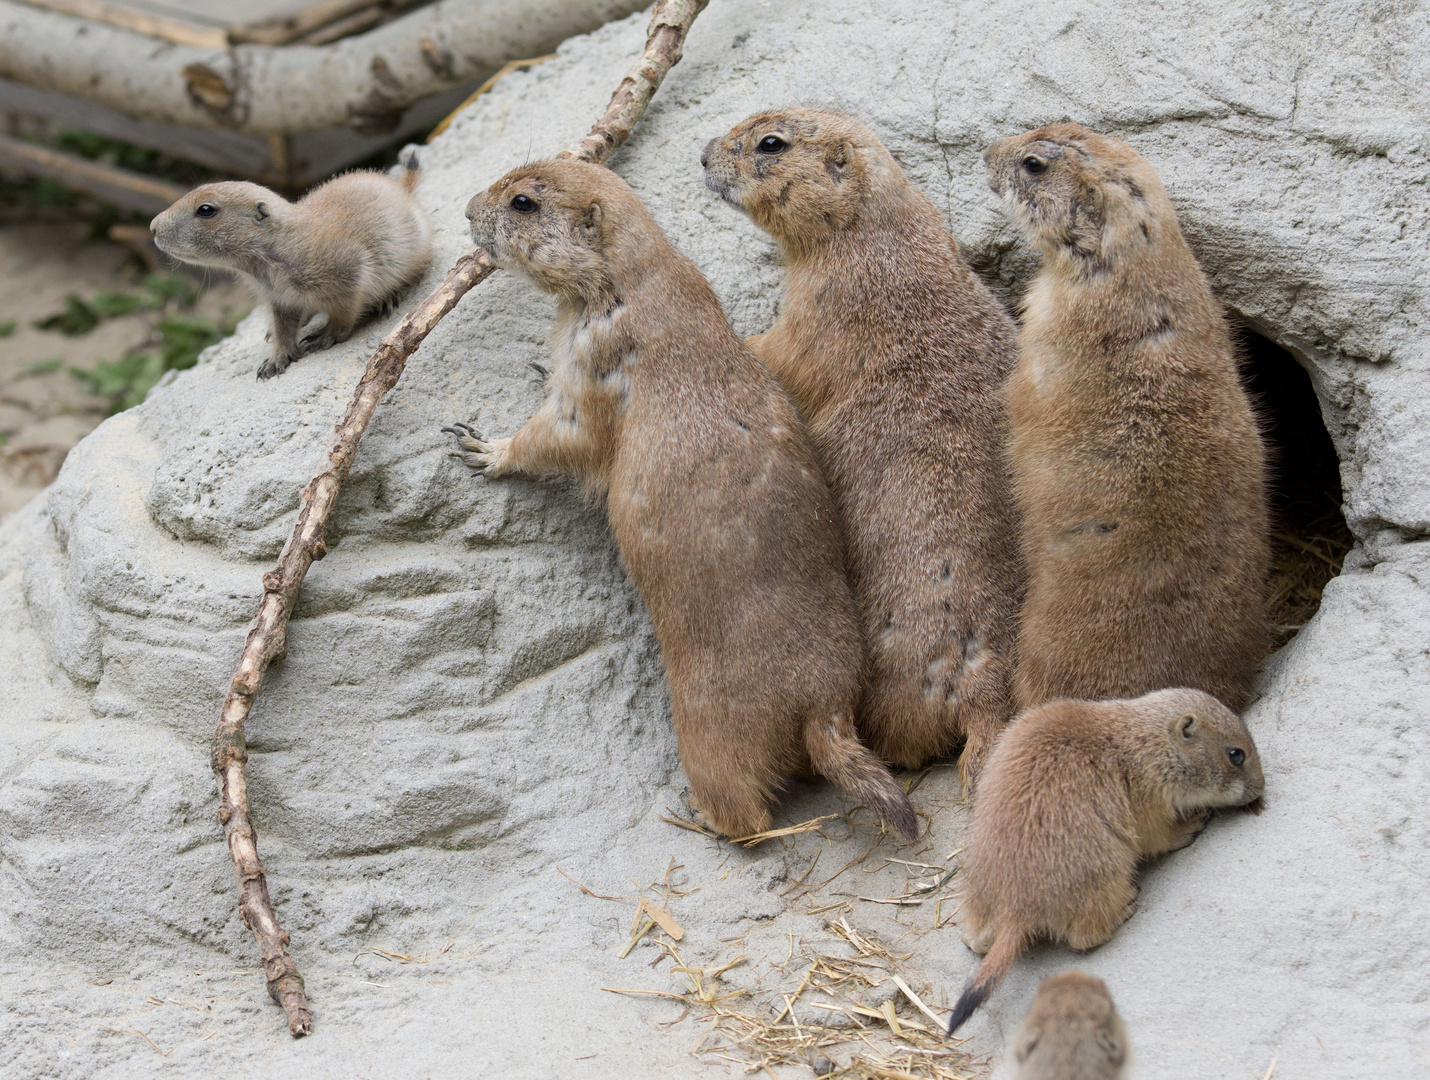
[472, 695]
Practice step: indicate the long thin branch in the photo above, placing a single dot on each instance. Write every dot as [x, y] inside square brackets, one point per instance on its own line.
[267, 638]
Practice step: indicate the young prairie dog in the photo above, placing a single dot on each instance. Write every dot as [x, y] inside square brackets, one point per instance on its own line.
[1075, 795]
[1135, 452]
[895, 354]
[349, 249]
[1072, 1032]
[713, 493]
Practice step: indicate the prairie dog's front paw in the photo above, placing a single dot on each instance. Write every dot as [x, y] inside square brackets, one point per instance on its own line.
[277, 364]
[490, 457]
[1192, 828]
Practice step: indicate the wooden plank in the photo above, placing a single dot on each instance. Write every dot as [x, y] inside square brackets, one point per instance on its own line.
[121, 187]
[42, 112]
[181, 33]
[302, 160]
[220, 13]
[355, 23]
[319, 23]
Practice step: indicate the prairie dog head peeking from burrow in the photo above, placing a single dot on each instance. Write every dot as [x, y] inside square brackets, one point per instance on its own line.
[1072, 1032]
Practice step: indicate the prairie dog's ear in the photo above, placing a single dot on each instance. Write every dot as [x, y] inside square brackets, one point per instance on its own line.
[1111, 1046]
[1187, 726]
[838, 159]
[1025, 1041]
[260, 211]
[1092, 203]
[591, 216]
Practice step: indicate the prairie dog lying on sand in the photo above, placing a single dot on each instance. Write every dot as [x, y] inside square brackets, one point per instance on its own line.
[1076, 794]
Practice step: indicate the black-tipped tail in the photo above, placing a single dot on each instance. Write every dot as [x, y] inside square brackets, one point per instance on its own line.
[973, 996]
[411, 167]
[1007, 947]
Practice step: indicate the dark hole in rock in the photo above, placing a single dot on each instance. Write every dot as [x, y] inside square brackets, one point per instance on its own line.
[1309, 533]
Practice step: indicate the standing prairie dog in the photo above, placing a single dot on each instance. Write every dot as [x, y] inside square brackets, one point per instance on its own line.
[1135, 453]
[713, 493]
[1076, 794]
[1072, 1032]
[895, 355]
[349, 249]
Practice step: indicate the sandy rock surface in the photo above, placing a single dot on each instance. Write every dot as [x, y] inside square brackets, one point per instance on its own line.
[471, 704]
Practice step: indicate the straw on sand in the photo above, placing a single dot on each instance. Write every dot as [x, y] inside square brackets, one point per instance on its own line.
[856, 1041]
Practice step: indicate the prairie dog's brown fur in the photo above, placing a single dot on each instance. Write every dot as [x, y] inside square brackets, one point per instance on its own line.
[1072, 1032]
[895, 354]
[348, 248]
[1075, 795]
[714, 495]
[1135, 454]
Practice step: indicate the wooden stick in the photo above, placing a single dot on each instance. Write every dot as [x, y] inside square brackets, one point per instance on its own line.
[287, 89]
[182, 33]
[267, 637]
[131, 190]
[281, 29]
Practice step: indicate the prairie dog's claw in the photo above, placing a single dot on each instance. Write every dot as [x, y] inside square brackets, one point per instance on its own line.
[275, 365]
[462, 431]
[486, 456]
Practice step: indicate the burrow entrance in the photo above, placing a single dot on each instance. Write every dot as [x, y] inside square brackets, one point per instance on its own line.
[1309, 535]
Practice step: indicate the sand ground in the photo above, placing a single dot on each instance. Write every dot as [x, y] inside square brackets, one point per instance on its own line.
[44, 407]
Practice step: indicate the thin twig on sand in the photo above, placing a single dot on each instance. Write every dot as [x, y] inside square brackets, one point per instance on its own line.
[267, 638]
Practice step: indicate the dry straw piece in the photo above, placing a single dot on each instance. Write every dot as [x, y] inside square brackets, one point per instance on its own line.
[1302, 564]
[267, 637]
[763, 1031]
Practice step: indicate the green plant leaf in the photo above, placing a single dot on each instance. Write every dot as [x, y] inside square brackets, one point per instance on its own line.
[109, 304]
[76, 320]
[165, 287]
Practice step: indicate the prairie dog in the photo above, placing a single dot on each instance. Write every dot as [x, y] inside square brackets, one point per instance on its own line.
[1075, 795]
[1136, 457]
[348, 248]
[714, 495]
[895, 354]
[1072, 1032]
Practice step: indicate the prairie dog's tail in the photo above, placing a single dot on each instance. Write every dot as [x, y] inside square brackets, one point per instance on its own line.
[840, 756]
[1007, 947]
[411, 168]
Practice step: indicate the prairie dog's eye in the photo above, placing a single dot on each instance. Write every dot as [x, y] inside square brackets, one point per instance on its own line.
[524, 204]
[1237, 755]
[771, 144]
[1034, 164]
[206, 210]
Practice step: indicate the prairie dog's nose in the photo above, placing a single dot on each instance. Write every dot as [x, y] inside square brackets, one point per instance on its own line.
[705, 154]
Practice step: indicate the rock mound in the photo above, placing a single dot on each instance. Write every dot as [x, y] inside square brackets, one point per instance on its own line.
[472, 697]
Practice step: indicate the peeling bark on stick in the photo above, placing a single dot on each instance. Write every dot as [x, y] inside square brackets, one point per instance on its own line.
[267, 637]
